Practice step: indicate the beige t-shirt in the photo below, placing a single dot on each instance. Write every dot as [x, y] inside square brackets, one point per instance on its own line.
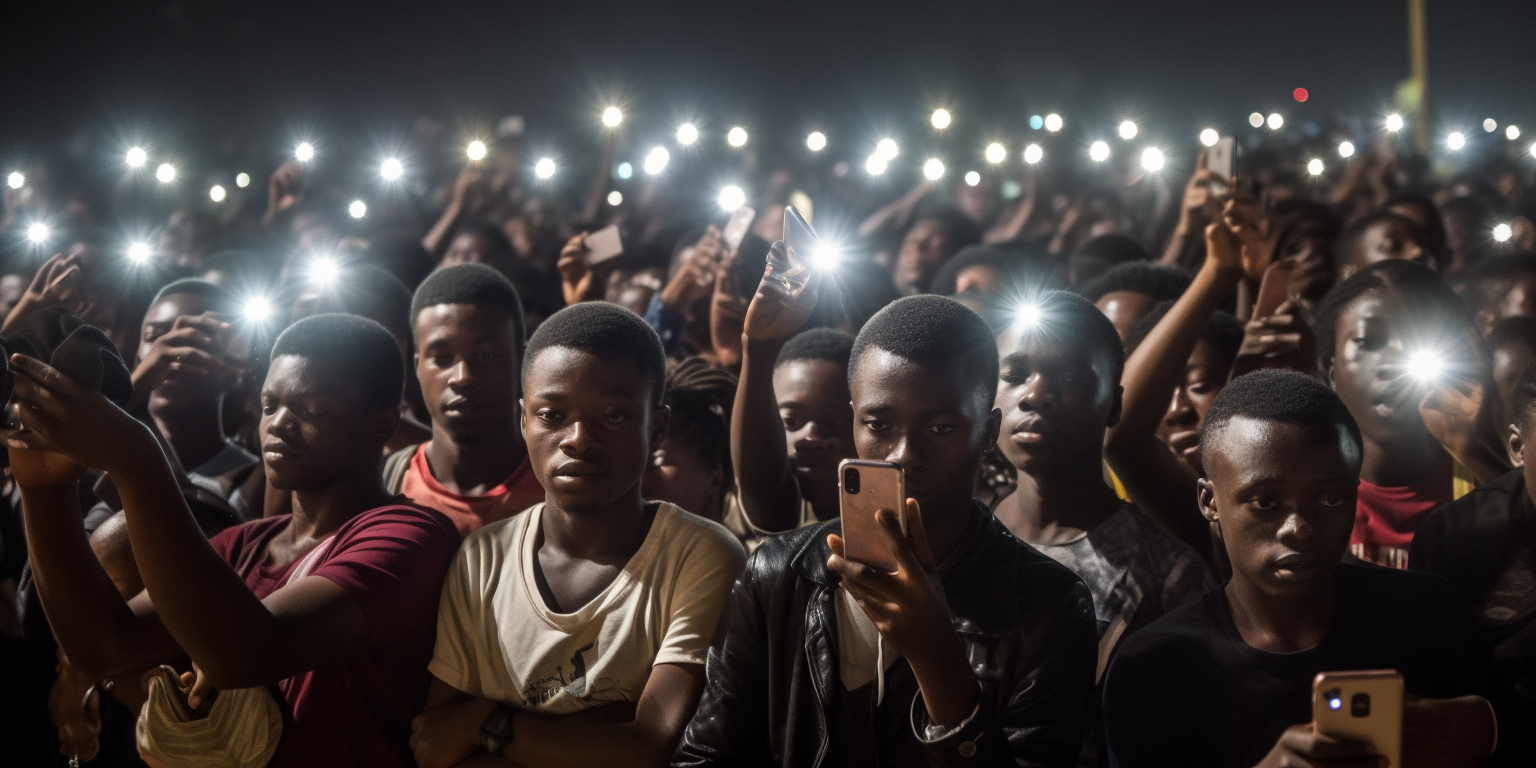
[497, 639]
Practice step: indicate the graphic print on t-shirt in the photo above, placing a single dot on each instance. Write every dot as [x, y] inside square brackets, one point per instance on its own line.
[590, 693]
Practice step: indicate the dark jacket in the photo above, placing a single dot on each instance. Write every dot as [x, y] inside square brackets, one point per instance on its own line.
[772, 676]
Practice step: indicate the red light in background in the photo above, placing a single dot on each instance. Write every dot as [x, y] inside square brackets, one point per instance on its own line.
[1300, 94]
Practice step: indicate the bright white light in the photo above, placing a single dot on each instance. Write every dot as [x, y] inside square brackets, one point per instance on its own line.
[305, 152]
[16, 180]
[1512, 132]
[826, 257]
[1098, 151]
[1455, 141]
[166, 173]
[1425, 365]
[323, 271]
[1027, 315]
[38, 232]
[933, 169]
[736, 137]
[544, 168]
[1053, 122]
[1533, 150]
[1274, 121]
[1394, 122]
[816, 142]
[1127, 130]
[996, 153]
[392, 169]
[476, 150]
[1490, 125]
[257, 309]
[941, 119]
[1315, 166]
[657, 160]
[1256, 120]
[1346, 149]
[625, 170]
[612, 117]
[139, 253]
[1152, 159]
[687, 133]
[1503, 232]
[242, 180]
[615, 197]
[1209, 137]
[1033, 153]
[732, 197]
[137, 157]
[887, 149]
[217, 193]
[358, 209]
[876, 164]
[972, 178]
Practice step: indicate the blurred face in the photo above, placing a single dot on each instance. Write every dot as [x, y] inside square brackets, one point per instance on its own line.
[1522, 455]
[314, 430]
[1312, 248]
[1520, 300]
[1204, 376]
[1124, 308]
[591, 427]
[467, 248]
[1386, 239]
[929, 421]
[184, 386]
[925, 248]
[183, 240]
[468, 367]
[680, 473]
[818, 420]
[980, 279]
[1057, 396]
[1284, 498]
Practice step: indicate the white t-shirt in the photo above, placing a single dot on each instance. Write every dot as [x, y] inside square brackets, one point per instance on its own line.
[497, 639]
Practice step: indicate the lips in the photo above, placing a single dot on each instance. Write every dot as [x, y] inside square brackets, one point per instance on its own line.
[1184, 443]
[579, 471]
[1029, 430]
[277, 450]
[1296, 565]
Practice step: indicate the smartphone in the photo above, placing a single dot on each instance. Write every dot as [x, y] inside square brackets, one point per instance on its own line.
[1364, 705]
[736, 229]
[604, 244]
[1274, 288]
[864, 488]
[787, 259]
[1221, 158]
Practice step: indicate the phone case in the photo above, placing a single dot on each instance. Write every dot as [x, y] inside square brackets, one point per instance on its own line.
[1365, 705]
[788, 264]
[604, 244]
[1221, 157]
[880, 485]
[736, 229]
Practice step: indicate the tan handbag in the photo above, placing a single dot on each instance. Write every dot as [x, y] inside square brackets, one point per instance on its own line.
[241, 730]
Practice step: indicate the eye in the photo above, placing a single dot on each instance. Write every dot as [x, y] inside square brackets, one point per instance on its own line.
[614, 417]
[1199, 388]
[1264, 503]
[876, 425]
[548, 416]
[1332, 501]
[442, 361]
[791, 423]
[941, 429]
[1011, 379]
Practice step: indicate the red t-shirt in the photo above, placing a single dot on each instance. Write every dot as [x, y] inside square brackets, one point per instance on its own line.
[1385, 518]
[469, 513]
[358, 711]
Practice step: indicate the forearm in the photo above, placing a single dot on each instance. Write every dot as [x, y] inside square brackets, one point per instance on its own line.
[1163, 487]
[758, 450]
[433, 241]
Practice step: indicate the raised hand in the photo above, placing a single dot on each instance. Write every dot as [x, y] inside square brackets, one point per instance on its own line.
[191, 346]
[284, 188]
[727, 313]
[695, 277]
[63, 426]
[778, 311]
[58, 283]
[575, 273]
[1281, 340]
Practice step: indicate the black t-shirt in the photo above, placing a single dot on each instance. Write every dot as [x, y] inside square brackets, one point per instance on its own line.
[1187, 691]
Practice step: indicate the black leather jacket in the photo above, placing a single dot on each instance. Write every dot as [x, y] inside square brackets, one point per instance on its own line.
[772, 678]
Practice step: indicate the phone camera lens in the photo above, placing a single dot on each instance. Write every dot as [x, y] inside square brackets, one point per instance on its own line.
[1360, 705]
[851, 480]
[1335, 699]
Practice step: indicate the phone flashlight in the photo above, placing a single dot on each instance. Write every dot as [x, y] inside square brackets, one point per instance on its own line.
[1027, 315]
[257, 309]
[304, 152]
[1426, 365]
[323, 271]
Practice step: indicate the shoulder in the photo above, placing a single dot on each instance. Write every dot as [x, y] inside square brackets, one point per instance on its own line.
[1187, 632]
[1392, 591]
[1131, 536]
[689, 537]
[1488, 511]
[232, 540]
[1000, 581]
[404, 523]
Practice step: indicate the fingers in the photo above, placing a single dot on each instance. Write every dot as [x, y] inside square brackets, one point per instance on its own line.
[917, 537]
[44, 375]
[890, 525]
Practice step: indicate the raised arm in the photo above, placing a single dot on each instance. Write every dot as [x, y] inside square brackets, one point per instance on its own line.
[471, 179]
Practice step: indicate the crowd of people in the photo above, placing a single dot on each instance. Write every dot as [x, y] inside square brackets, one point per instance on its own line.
[454, 484]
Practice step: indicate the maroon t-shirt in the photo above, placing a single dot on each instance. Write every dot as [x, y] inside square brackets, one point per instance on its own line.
[358, 711]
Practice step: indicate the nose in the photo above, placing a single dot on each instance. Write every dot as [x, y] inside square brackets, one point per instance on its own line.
[1037, 395]
[1413, 251]
[1181, 411]
[1296, 529]
[460, 376]
[282, 424]
[577, 439]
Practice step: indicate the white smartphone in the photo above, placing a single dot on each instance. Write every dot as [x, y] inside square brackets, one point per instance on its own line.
[1364, 705]
[604, 244]
[736, 229]
[864, 488]
[1222, 157]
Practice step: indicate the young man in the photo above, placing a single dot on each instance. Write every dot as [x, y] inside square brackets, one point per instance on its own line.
[1059, 391]
[333, 605]
[976, 650]
[468, 325]
[1129, 291]
[1227, 680]
[576, 632]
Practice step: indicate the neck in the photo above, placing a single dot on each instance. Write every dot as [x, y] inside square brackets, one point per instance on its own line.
[1053, 509]
[1281, 625]
[1401, 462]
[320, 513]
[946, 520]
[609, 534]
[471, 469]
[193, 433]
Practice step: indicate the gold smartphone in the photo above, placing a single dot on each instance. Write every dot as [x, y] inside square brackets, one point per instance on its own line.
[1364, 705]
[865, 487]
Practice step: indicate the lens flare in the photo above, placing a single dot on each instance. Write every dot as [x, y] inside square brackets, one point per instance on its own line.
[1128, 130]
[217, 193]
[392, 169]
[1394, 122]
[1053, 122]
[612, 117]
[1455, 141]
[1511, 132]
[687, 133]
[816, 142]
[1315, 166]
[615, 197]
[887, 149]
[358, 209]
[1209, 137]
[1346, 149]
[1490, 125]
[544, 168]
[656, 161]
[1098, 151]
[139, 252]
[732, 197]
[972, 178]
[1426, 365]
[323, 271]
[1027, 315]
[166, 173]
[242, 180]
[257, 309]
[1503, 232]
[941, 119]
[38, 232]
[137, 157]
[1256, 120]
[1033, 153]
[876, 164]
[736, 137]
[996, 153]
[476, 150]
[16, 180]
[933, 170]
[305, 152]
[1274, 121]
[1152, 159]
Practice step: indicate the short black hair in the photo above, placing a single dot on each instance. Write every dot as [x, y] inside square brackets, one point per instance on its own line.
[1160, 281]
[1489, 279]
[827, 344]
[944, 281]
[1522, 402]
[362, 349]
[371, 291]
[608, 331]
[1349, 241]
[1099, 254]
[219, 300]
[1074, 319]
[500, 246]
[474, 284]
[700, 396]
[1420, 286]
[934, 332]
[1285, 396]
[1223, 331]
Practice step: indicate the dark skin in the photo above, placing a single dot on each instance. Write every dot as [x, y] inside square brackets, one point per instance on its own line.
[1204, 376]
[469, 366]
[318, 442]
[1392, 238]
[679, 472]
[1124, 308]
[182, 375]
[936, 425]
[1283, 496]
[591, 426]
[1057, 393]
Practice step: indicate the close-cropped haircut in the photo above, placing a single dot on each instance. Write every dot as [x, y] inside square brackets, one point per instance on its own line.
[1222, 332]
[1349, 242]
[827, 344]
[1076, 322]
[1522, 402]
[985, 256]
[608, 331]
[1160, 281]
[1419, 286]
[700, 396]
[217, 299]
[1288, 397]
[935, 332]
[473, 284]
[361, 349]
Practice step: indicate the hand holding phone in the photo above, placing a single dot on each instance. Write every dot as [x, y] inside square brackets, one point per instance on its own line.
[866, 487]
[1364, 706]
[604, 244]
[1274, 288]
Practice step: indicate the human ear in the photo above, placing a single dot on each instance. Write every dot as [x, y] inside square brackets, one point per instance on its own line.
[1516, 447]
[660, 419]
[522, 421]
[1206, 497]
